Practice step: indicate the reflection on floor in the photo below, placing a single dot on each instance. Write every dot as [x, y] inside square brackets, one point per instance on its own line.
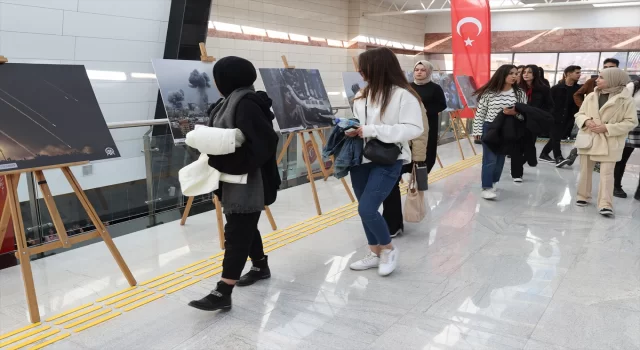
[528, 271]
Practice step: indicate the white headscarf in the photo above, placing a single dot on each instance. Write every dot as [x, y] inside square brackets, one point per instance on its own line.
[429, 68]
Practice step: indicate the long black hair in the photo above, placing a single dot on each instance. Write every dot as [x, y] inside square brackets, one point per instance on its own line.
[496, 83]
[536, 83]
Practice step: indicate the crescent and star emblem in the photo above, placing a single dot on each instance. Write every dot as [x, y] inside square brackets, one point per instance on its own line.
[471, 20]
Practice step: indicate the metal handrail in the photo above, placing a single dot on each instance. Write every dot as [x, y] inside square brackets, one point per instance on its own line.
[137, 123]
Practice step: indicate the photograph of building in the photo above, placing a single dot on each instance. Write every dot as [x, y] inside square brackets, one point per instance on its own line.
[49, 115]
[187, 91]
[300, 100]
[468, 87]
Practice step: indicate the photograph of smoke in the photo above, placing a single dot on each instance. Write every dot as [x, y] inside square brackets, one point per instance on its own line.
[448, 85]
[300, 100]
[187, 90]
[50, 116]
[468, 86]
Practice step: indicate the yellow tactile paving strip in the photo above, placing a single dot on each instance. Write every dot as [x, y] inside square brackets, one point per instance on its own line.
[63, 325]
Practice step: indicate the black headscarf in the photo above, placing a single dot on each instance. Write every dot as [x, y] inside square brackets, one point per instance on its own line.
[231, 73]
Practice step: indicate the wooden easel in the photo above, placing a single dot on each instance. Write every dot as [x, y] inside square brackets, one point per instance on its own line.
[204, 57]
[324, 172]
[12, 210]
[459, 131]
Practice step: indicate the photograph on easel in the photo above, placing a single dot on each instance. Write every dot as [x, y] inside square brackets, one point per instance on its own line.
[468, 87]
[187, 90]
[49, 115]
[448, 85]
[300, 100]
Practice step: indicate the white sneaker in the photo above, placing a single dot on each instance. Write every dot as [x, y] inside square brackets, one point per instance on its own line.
[397, 233]
[368, 262]
[388, 261]
[517, 179]
[489, 194]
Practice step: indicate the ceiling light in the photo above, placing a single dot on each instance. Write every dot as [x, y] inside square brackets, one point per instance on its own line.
[106, 75]
[298, 37]
[514, 10]
[143, 75]
[618, 4]
[337, 43]
[226, 27]
[254, 31]
[313, 38]
[277, 35]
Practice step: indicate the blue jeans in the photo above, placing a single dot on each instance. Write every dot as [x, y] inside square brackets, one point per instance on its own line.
[492, 164]
[372, 183]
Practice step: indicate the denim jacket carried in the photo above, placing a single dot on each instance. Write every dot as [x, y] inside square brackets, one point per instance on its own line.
[346, 150]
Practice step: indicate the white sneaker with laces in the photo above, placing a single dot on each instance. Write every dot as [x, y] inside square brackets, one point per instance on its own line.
[388, 261]
[517, 179]
[369, 261]
[489, 194]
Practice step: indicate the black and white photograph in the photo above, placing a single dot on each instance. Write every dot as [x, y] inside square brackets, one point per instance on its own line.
[468, 87]
[353, 82]
[448, 85]
[187, 90]
[49, 116]
[300, 100]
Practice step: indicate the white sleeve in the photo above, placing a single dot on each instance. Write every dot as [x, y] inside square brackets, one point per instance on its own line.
[409, 124]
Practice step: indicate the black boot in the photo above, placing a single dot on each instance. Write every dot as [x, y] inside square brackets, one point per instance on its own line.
[619, 192]
[219, 299]
[637, 195]
[259, 271]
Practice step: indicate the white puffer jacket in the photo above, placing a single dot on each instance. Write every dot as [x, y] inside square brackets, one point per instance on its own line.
[199, 178]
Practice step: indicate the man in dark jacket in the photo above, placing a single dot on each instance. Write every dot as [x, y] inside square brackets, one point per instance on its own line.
[564, 111]
[249, 113]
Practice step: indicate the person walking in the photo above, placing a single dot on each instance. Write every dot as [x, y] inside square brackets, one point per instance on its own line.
[249, 112]
[500, 94]
[563, 112]
[604, 121]
[633, 142]
[390, 115]
[538, 96]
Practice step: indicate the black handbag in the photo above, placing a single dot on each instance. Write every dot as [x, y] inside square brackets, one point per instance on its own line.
[380, 152]
[421, 177]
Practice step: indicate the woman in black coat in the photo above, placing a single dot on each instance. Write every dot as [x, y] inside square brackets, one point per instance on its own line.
[538, 96]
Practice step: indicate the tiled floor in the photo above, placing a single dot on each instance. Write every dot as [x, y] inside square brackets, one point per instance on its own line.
[528, 271]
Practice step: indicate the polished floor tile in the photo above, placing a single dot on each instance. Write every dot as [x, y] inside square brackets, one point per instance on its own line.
[529, 270]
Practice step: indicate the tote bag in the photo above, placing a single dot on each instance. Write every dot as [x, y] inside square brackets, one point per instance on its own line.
[415, 209]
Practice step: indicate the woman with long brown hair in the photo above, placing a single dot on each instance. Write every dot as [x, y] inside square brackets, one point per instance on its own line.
[390, 114]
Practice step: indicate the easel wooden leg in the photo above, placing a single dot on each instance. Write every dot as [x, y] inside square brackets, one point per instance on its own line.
[316, 149]
[187, 209]
[53, 209]
[95, 219]
[218, 205]
[285, 147]
[455, 133]
[468, 137]
[439, 161]
[270, 217]
[305, 156]
[23, 251]
[333, 163]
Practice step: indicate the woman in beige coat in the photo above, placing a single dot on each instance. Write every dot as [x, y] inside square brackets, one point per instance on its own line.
[605, 119]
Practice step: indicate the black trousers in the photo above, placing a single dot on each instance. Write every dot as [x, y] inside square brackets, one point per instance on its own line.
[558, 131]
[432, 149]
[524, 153]
[392, 209]
[618, 172]
[242, 240]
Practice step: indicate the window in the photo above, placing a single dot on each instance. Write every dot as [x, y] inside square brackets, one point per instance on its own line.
[634, 61]
[498, 59]
[588, 61]
[620, 56]
[545, 60]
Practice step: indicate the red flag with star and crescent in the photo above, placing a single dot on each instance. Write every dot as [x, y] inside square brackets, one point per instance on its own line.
[471, 41]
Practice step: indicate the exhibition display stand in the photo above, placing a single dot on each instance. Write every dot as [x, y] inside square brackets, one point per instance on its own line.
[204, 57]
[459, 131]
[324, 172]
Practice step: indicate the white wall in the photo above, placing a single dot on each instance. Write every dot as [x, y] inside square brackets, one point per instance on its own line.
[544, 20]
[105, 35]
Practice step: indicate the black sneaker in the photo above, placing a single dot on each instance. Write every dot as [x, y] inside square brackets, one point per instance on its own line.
[637, 195]
[619, 192]
[608, 212]
[581, 203]
[219, 299]
[545, 158]
[259, 271]
[573, 155]
[560, 162]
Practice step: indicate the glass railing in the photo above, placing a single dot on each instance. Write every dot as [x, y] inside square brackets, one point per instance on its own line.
[138, 190]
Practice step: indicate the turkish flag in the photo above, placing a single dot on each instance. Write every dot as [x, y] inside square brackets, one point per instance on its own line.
[471, 41]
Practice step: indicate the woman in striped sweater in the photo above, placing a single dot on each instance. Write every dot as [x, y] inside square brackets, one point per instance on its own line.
[500, 94]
